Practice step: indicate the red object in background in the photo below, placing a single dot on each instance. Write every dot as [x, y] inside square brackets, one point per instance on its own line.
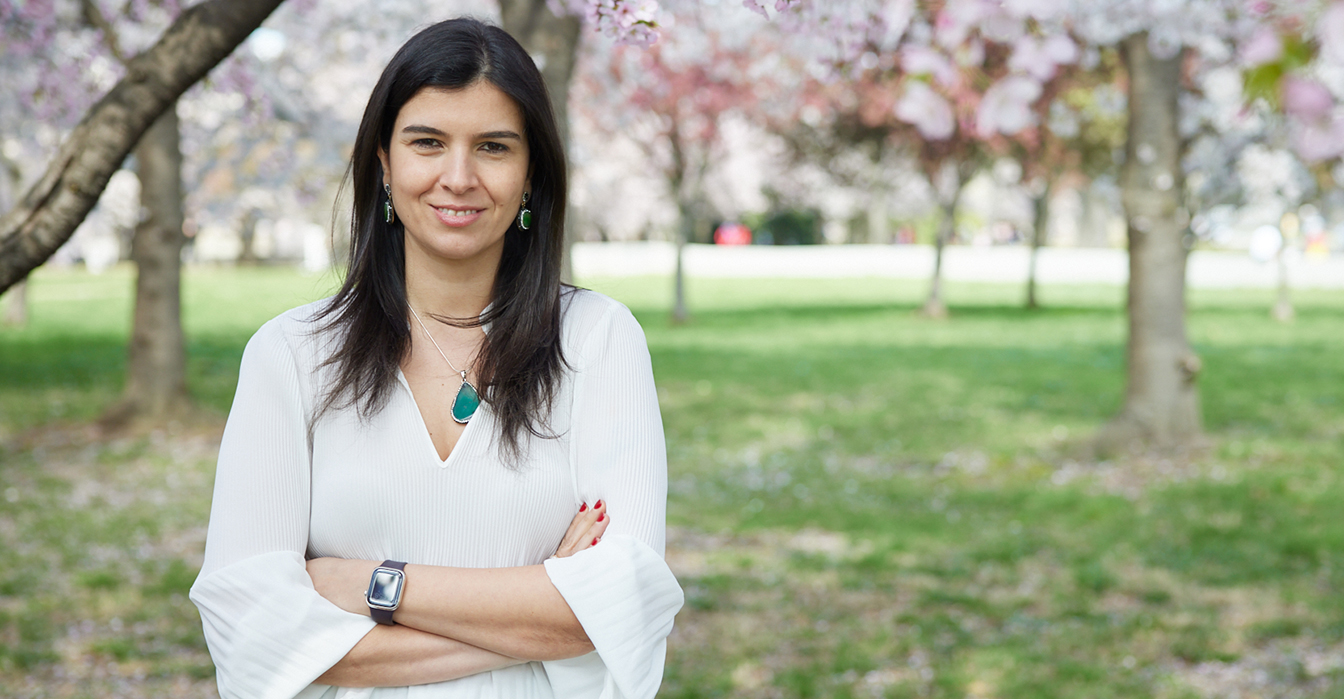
[732, 234]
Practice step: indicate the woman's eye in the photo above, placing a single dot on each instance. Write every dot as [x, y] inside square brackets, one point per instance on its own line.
[492, 147]
[425, 143]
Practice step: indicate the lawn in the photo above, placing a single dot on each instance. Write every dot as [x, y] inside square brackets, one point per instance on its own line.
[863, 502]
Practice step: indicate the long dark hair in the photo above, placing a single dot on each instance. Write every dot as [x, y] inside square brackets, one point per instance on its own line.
[520, 361]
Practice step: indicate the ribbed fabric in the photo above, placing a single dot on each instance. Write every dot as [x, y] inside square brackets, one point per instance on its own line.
[377, 490]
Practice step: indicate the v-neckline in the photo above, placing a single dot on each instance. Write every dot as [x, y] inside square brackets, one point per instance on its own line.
[424, 428]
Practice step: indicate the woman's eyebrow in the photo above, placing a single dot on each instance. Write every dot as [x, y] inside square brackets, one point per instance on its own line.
[500, 134]
[417, 128]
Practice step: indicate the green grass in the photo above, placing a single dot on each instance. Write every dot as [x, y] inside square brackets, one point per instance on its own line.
[863, 502]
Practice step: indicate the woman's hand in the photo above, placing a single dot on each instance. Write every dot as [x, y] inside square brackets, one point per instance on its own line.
[585, 530]
[343, 582]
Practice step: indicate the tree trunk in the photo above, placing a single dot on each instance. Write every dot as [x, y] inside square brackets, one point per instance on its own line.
[15, 312]
[1039, 229]
[156, 381]
[685, 232]
[248, 255]
[1161, 408]
[934, 307]
[1283, 307]
[48, 214]
[554, 43]
[879, 221]
[16, 305]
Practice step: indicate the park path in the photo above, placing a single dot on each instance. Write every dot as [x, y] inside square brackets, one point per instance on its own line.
[998, 264]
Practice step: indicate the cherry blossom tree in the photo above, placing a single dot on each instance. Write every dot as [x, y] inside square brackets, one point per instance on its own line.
[1081, 132]
[955, 86]
[48, 213]
[671, 98]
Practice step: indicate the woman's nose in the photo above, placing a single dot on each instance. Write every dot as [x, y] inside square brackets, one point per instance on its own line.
[459, 172]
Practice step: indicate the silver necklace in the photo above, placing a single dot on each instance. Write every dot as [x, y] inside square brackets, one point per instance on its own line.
[467, 399]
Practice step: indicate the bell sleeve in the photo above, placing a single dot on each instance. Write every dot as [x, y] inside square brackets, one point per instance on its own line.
[621, 590]
[269, 632]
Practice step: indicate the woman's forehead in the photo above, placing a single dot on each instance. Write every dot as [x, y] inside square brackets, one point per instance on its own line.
[479, 105]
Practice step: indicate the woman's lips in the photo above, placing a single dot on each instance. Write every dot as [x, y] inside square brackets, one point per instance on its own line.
[458, 218]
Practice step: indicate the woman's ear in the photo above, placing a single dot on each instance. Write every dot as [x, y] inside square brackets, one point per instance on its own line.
[387, 170]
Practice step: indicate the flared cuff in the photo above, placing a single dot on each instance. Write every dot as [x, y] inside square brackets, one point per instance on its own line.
[625, 597]
[269, 631]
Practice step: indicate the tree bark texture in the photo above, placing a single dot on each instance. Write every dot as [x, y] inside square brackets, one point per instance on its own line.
[15, 301]
[1039, 229]
[49, 212]
[156, 380]
[556, 41]
[1161, 408]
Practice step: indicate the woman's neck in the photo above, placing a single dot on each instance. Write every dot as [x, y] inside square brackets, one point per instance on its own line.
[448, 291]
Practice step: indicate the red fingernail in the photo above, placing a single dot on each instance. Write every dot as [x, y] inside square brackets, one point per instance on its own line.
[583, 507]
[594, 541]
[598, 505]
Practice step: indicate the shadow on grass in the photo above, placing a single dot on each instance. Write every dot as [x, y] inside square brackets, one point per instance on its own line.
[75, 377]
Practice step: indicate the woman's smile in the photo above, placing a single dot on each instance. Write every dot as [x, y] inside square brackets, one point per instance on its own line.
[458, 217]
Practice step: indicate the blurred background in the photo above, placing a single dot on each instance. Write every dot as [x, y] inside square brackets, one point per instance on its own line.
[997, 343]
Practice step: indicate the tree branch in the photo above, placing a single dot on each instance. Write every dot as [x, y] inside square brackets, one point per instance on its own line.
[94, 17]
[49, 212]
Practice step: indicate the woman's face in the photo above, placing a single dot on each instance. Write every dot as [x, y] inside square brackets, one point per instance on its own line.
[458, 167]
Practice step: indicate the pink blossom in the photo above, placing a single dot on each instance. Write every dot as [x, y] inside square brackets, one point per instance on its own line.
[1330, 32]
[930, 114]
[971, 54]
[628, 21]
[1030, 57]
[924, 60]
[1006, 107]
[1002, 27]
[1061, 49]
[1306, 99]
[757, 6]
[954, 22]
[1320, 139]
[1264, 46]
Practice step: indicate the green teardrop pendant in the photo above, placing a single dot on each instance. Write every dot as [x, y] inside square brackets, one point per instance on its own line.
[465, 403]
[526, 219]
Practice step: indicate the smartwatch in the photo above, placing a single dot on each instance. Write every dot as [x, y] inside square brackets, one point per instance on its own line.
[385, 588]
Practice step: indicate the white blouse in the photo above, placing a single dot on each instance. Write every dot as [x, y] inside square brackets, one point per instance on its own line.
[375, 490]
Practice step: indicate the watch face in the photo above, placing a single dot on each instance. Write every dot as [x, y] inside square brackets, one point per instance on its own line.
[385, 588]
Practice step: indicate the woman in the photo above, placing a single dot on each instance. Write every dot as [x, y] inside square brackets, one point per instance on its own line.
[372, 526]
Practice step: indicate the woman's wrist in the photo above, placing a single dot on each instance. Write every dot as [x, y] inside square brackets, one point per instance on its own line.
[344, 582]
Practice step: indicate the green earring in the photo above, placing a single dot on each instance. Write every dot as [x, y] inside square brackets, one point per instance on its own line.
[388, 215]
[525, 214]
